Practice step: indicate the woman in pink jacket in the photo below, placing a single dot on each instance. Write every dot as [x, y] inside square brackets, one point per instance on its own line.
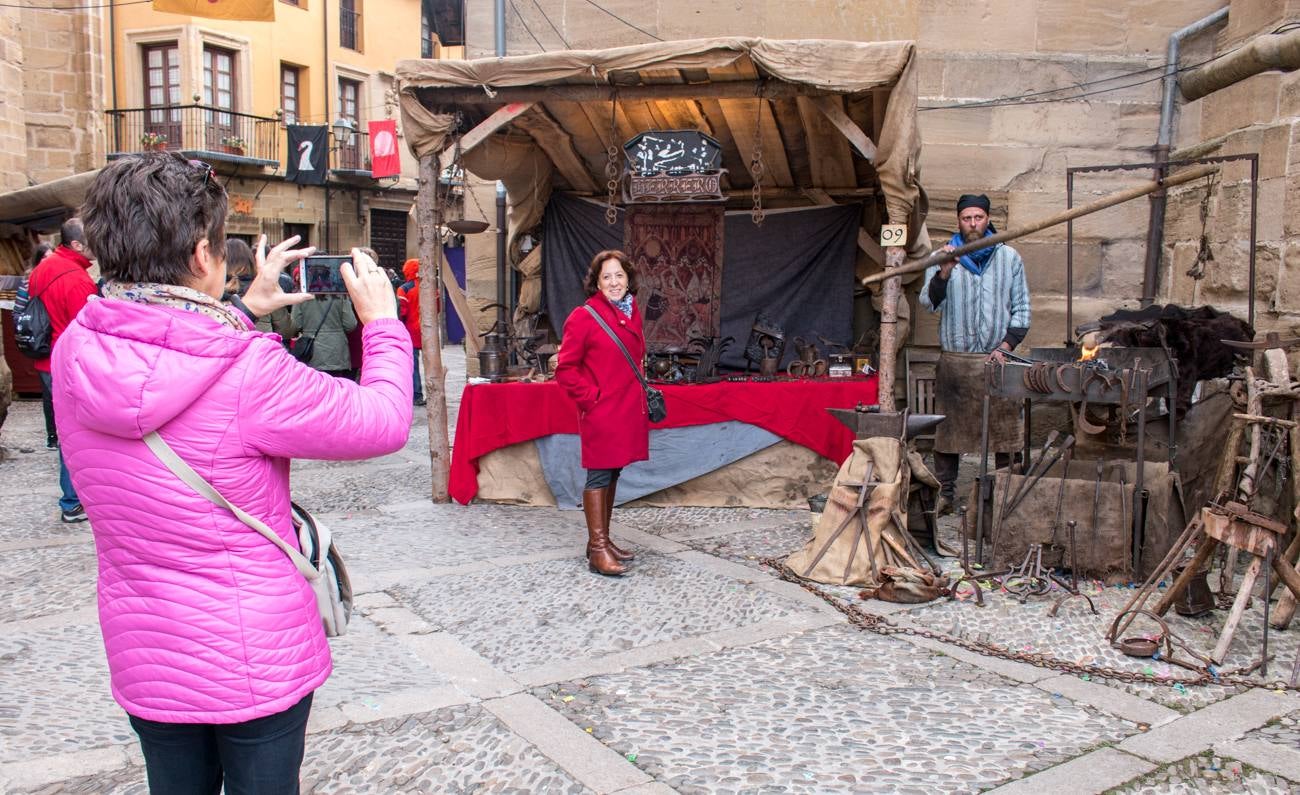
[214, 641]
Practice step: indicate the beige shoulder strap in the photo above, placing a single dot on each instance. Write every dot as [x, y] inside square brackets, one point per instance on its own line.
[192, 479]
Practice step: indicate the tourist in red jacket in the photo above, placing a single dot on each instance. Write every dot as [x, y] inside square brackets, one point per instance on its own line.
[613, 423]
[408, 300]
[64, 287]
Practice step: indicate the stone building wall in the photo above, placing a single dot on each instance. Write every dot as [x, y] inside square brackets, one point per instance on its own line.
[1258, 115]
[13, 120]
[62, 93]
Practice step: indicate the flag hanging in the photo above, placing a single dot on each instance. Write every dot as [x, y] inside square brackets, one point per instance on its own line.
[308, 154]
[384, 158]
[253, 10]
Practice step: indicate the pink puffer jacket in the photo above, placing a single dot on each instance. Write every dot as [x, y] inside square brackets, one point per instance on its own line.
[204, 620]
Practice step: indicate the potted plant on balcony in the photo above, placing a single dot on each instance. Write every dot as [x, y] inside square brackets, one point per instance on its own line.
[153, 141]
[233, 145]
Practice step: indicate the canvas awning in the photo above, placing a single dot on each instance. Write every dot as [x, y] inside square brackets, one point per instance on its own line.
[833, 120]
[45, 201]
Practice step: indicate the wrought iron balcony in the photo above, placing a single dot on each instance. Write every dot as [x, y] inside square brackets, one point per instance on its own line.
[197, 131]
[352, 157]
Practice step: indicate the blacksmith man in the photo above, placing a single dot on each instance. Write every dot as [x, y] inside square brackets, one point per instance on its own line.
[984, 301]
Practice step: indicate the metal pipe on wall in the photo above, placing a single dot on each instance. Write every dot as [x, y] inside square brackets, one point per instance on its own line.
[1164, 137]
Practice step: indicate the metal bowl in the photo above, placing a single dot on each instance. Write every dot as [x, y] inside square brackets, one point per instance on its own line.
[465, 226]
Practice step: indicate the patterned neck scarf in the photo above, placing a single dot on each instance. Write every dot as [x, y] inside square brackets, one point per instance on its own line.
[624, 304]
[174, 295]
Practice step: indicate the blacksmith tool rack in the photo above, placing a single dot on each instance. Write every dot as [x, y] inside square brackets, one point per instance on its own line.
[1123, 378]
[1150, 277]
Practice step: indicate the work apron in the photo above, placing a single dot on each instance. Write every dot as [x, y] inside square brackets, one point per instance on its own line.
[959, 390]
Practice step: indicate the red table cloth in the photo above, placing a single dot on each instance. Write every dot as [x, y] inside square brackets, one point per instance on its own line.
[493, 416]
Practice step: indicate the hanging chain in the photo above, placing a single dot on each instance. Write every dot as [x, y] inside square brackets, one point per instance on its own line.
[883, 626]
[612, 169]
[1203, 253]
[756, 167]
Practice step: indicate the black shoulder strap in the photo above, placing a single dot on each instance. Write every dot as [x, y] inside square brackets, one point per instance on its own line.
[323, 315]
[617, 342]
[48, 286]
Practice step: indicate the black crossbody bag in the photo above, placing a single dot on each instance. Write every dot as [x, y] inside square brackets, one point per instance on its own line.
[654, 399]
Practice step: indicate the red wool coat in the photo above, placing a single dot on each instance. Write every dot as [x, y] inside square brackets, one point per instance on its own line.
[612, 420]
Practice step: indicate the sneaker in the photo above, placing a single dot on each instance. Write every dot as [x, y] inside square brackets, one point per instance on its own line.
[77, 514]
[52, 442]
[419, 401]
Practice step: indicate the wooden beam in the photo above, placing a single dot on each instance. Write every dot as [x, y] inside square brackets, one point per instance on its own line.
[480, 133]
[741, 119]
[834, 112]
[461, 304]
[735, 89]
[552, 139]
[865, 241]
[829, 159]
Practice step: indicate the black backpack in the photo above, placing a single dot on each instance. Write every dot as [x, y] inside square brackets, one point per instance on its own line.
[33, 330]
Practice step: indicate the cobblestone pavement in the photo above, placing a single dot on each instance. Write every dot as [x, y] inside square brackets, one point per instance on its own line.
[484, 658]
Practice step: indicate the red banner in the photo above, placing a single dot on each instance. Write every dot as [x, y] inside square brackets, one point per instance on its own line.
[384, 159]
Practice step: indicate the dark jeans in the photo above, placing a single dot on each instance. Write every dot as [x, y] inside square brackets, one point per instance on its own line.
[69, 499]
[418, 382]
[257, 757]
[47, 407]
[945, 470]
[600, 478]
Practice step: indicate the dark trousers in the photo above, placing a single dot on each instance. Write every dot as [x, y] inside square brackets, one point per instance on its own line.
[257, 757]
[600, 478]
[945, 470]
[47, 406]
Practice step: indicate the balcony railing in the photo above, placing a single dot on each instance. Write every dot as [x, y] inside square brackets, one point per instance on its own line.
[195, 129]
[353, 154]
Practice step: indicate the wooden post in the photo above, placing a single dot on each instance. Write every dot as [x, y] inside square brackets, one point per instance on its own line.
[889, 328]
[428, 222]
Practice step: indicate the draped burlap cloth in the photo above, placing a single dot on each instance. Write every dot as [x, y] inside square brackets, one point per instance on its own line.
[847, 557]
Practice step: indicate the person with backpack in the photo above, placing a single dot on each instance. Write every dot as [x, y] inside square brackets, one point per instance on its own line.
[59, 287]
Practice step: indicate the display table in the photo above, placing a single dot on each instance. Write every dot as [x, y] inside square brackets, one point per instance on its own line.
[495, 416]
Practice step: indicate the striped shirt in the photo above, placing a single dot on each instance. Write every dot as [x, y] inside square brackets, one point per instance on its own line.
[978, 310]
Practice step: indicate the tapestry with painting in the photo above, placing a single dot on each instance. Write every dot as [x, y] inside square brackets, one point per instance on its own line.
[677, 252]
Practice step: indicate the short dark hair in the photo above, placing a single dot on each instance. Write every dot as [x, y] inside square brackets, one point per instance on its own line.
[592, 283]
[72, 231]
[145, 213]
[39, 253]
[239, 258]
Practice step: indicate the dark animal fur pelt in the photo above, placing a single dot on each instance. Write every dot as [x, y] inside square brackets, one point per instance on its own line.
[1191, 337]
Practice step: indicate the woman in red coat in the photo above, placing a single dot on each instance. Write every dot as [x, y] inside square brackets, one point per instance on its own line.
[613, 423]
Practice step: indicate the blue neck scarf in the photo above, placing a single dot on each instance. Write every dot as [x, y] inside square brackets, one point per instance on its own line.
[624, 304]
[977, 261]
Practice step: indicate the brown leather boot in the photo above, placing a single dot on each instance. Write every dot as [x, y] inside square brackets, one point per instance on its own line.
[622, 554]
[600, 558]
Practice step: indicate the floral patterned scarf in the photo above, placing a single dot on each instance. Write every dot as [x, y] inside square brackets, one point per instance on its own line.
[174, 295]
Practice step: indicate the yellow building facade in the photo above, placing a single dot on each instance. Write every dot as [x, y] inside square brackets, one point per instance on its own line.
[227, 91]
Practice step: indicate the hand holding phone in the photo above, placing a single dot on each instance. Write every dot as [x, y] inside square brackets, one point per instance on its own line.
[264, 294]
[372, 295]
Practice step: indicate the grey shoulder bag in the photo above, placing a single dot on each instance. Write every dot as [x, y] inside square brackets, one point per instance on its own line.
[319, 562]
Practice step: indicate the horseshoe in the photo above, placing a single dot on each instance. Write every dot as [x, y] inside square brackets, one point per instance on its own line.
[1086, 425]
[1060, 381]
